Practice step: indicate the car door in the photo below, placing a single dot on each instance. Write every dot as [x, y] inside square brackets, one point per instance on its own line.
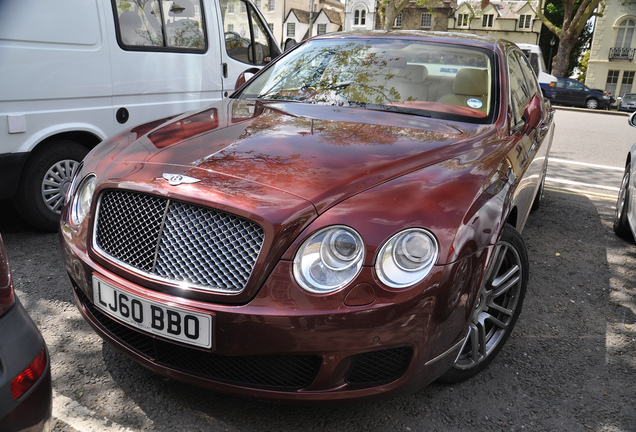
[247, 42]
[575, 92]
[529, 156]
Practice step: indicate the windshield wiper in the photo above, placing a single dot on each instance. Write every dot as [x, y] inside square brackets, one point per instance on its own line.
[389, 108]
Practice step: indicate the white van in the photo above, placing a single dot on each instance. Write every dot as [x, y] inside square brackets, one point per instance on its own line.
[535, 56]
[76, 71]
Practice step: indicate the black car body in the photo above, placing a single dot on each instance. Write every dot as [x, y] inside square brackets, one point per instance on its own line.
[574, 93]
[25, 371]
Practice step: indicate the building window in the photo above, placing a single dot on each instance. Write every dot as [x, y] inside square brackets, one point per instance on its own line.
[525, 21]
[230, 28]
[360, 17]
[612, 81]
[230, 7]
[243, 7]
[258, 4]
[271, 5]
[625, 33]
[271, 27]
[291, 30]
[426, 20]
[322, 29]
[462, 20]
[626, 83]
[398, 20]
[487, 20]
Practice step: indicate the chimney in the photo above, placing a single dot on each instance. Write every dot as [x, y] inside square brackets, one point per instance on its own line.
[484, 3]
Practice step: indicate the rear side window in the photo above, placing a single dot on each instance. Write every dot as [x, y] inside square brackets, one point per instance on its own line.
[160, 25]
[246, 38]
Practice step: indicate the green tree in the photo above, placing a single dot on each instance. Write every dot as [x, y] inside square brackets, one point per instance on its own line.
[583, 66]
[567, 27]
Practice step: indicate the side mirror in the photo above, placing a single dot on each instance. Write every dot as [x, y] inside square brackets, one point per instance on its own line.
[632, 119]
[533, 112]
[243, 77]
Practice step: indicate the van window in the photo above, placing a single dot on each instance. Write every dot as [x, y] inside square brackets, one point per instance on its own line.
[246, 40]
[170, 25]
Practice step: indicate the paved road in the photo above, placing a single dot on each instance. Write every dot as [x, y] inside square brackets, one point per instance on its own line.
[570, 365]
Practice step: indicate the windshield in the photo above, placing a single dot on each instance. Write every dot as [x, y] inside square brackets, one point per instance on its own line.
[413, 77]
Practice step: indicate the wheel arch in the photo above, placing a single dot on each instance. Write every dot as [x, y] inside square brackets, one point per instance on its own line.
[85, 138]
[512, 217]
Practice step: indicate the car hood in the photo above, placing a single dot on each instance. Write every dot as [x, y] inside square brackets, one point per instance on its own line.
[278, 164]
[320, 154]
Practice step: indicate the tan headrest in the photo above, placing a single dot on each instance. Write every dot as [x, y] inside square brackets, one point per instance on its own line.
[471, 82]
[417, 73]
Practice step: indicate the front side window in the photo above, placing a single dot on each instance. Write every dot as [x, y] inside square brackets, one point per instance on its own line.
[487, 20]
[160, 25]
[322, 29]
[520, 92]
[246, 38]
[291, 30]
[414, 77]
[398, 20]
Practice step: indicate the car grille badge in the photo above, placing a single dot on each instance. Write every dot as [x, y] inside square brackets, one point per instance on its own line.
[177, 179]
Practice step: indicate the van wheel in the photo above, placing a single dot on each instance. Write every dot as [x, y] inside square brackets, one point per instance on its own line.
[45, 180]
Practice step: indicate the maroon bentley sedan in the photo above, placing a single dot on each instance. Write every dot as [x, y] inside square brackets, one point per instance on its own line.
[344, 226]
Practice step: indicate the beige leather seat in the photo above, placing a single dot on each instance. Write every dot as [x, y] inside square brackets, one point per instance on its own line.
[470, 89]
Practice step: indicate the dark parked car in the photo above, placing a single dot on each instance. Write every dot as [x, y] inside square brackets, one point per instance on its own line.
[574, 93]
[25, 374]
[345, 226]
[627, 102]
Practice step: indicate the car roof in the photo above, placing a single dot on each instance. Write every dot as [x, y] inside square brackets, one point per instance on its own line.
[430, 36]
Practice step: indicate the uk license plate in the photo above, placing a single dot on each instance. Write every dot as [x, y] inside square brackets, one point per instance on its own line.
[173, 323]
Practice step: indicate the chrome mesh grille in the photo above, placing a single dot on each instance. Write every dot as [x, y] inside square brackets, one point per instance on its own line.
[177, 241]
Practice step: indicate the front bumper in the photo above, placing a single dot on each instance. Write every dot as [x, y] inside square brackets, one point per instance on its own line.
[20, 343]
[288, 345]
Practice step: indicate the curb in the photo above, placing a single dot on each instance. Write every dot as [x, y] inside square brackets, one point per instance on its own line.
[598, 111]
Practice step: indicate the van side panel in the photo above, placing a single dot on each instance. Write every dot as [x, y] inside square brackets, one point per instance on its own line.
[154, 84]
[55, 70]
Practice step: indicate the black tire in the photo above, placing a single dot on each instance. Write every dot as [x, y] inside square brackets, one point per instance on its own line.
[497, 308]
[621, 225]
[591, 103]
[45, 179]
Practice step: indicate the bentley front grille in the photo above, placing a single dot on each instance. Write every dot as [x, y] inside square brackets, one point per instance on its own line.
[177, 242]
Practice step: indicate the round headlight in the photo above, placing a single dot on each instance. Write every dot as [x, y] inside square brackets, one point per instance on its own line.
[329, 259]
[82, 200]
[407, 258]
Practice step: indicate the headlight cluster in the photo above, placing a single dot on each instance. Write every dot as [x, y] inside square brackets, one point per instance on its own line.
[332, 257]
[407, 258]
[81, 199]
[329, 259]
